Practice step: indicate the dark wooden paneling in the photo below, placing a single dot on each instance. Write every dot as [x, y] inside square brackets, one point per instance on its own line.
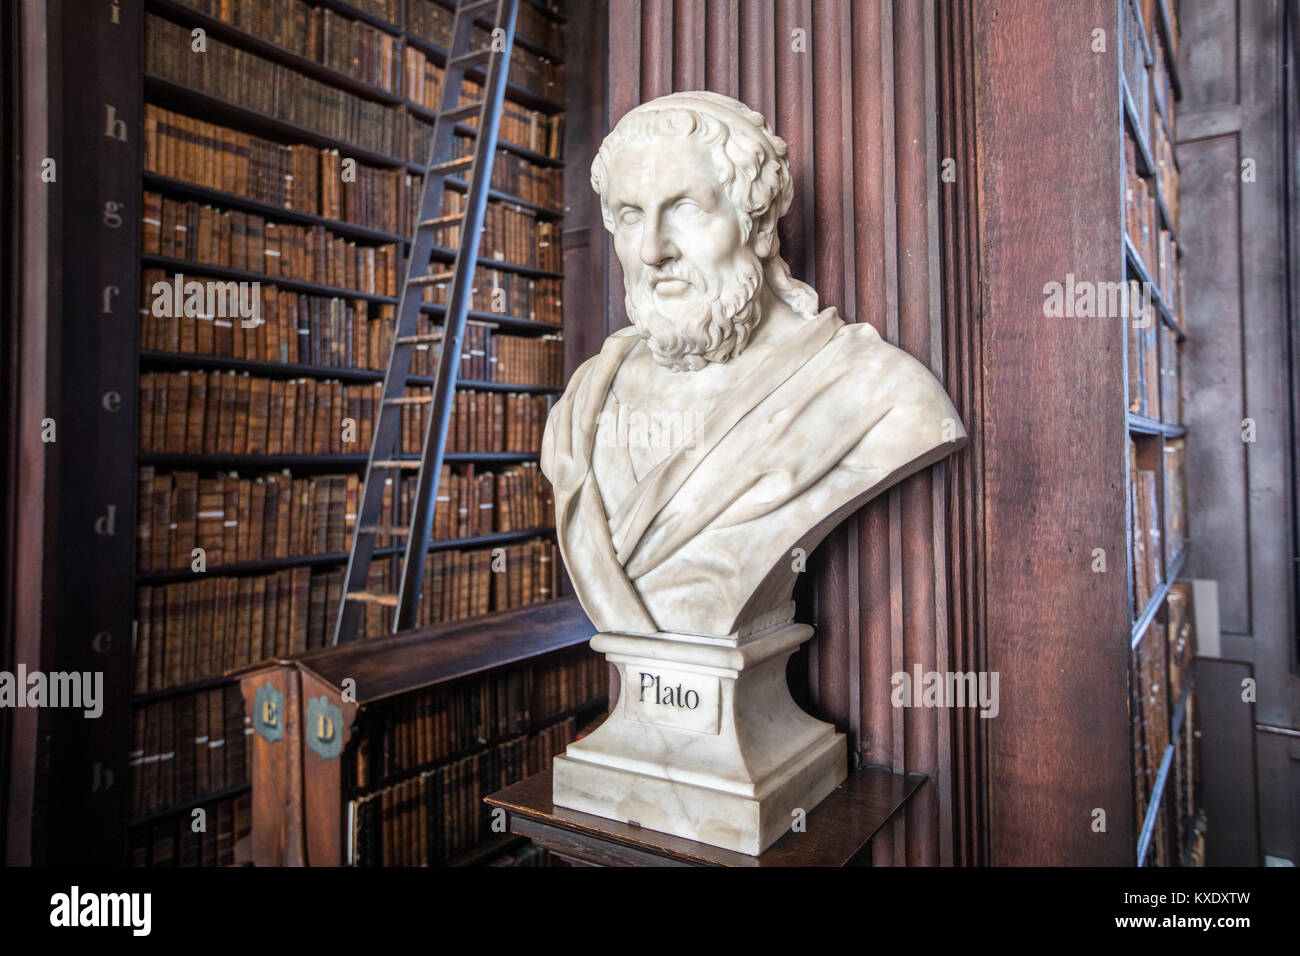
[853, 94]
[1228, 762]
[962, 377]
[1212, 375]
[92, 396]
[36, 229]
[1242, 360]
[1054, 435]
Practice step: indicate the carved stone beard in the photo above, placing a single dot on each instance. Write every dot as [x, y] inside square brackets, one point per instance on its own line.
[713, 326]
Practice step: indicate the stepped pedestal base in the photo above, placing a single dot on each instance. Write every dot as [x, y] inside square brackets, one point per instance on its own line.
[705, 741]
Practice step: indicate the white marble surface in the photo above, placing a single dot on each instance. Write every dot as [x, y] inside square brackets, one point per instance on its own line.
[698, 459]
[704, 742]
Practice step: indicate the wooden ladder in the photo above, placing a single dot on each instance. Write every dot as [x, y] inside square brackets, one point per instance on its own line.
[385, 458]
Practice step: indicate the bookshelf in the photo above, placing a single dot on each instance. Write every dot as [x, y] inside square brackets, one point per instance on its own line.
[287, 153]
[398, 738]
[1162, 642]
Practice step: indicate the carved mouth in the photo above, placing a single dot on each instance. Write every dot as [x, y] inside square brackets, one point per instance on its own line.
[669, 285]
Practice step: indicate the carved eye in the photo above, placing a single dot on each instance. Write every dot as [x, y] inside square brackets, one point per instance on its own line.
[629, 216]
[688, 208]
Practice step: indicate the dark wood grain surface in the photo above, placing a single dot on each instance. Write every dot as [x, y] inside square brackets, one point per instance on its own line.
[428, 656]
[837, 829]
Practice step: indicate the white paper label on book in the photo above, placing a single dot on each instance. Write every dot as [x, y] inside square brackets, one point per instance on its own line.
[673, 698]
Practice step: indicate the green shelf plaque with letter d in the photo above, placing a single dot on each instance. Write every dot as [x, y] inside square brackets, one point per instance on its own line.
[324, 727]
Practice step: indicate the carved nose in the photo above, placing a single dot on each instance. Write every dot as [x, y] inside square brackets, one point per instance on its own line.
[655, 246]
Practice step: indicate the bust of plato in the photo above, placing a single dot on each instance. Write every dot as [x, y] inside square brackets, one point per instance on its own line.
[721, 436]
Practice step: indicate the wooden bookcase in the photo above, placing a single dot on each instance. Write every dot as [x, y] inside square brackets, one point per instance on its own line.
[1162, 680]
[166, 706]
[354, 748]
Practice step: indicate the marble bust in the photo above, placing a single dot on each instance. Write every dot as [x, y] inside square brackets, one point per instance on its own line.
[697, 458]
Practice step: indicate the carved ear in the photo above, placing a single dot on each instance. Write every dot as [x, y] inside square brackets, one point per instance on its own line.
[763, 238]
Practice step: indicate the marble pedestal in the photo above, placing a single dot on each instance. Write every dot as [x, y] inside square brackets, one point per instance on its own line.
[705, 741]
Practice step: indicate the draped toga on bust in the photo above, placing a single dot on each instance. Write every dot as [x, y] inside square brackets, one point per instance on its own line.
[704, 541]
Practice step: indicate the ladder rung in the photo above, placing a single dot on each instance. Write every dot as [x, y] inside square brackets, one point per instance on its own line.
[389, 599]
[409, 400]
[384, 529]
[407, 463]
[451, 165]
[420, 339]
[461, 113]
[450, 220]
[473, 56]
[433, 278]
[471, 8]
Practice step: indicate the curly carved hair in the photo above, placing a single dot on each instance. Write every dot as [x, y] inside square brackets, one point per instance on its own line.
[752, 162]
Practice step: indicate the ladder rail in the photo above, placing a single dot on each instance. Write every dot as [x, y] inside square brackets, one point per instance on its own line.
[455, 316]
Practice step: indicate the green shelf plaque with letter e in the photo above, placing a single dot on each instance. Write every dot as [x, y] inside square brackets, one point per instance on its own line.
[268, 713]
[324, 727]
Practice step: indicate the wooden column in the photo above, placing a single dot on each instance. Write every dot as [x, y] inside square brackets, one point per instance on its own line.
[1049, 161]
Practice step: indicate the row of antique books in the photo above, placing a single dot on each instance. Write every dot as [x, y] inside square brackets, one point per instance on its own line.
[231, 239]
[299, 177]
[192, 630]
[508, 293]
[1175, 465]
[490, 356]
[482, 422]
[185, 747]
[432, 21]
[1182, 639]
[510, 234]
[352, 47]
[543, 185]
[538, 74]
[1151, 713]
[429, 819]
[462, 584]
[1155, 244]
[236, 519]
[312, 180]
[1186, 783]
[175, 842]
[252, 82]
[1167, 173]
[328, 332]
[471, 503]
[278, 515]
[1148, 555]
[1162, 663]
[519, 125]
[196, 412]
[1153, 385]
[1151, 87]
[430, 726]
[290, 327]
